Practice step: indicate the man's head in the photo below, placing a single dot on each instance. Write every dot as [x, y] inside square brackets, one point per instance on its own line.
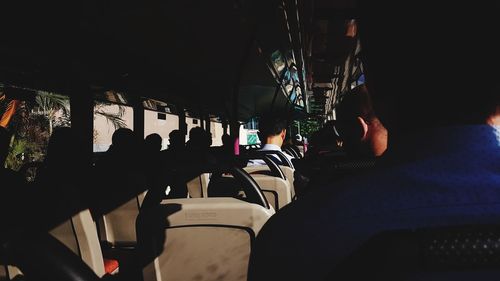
[272, 129]
[354, 112]
[227, 140]
[123, 140]
[176, 139]
[431, 66]
[199, 138]
[153, 142]
[4, 145]
[358, 125]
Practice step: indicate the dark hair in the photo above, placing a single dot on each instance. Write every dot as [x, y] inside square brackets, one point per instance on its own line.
[199, 138]
[356, 102]
[153, 141]
[430, 67]
[176, 138]
[123, 139]
[122, 135]
[227, 140]
[272, 125]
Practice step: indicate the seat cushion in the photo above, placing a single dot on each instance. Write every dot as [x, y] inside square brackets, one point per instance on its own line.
[111, 266]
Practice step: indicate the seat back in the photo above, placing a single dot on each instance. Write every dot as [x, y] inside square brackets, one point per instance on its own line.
[118, 226]
[277, 191]
[208, 239]
[3, 272]
[80, 235]
[287, 171]
[197, 187]
[9, 272]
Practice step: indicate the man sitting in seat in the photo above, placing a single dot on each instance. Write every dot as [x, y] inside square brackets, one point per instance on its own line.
[272, 132]
[441, 166]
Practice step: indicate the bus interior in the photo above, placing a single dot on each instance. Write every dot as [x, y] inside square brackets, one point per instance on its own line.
[125, 70]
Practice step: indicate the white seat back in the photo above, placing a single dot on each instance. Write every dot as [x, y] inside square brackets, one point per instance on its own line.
[80, 235]
[277, 191]
[197, 187]
[3, 272]
[286, 170]
[8, 272]
[118, 226]
[289, 177]
[208, 239]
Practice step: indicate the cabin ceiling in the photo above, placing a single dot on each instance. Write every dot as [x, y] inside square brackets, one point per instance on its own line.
[186, 52]
[332, 56]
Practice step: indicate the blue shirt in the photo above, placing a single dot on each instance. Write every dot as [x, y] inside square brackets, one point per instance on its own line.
[439, 177]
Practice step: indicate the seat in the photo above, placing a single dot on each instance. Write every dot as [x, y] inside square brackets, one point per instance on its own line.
[287, 171]
[277, 191]
[208, 239]
[8, 272]
[118, 226]
[197, 187]
[80, 235]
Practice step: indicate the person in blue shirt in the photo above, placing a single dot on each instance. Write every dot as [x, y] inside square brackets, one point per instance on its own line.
[426, 70]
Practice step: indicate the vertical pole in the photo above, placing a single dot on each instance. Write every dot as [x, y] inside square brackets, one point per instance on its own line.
[207, 127]
[224, 126]
[207, 123]
[138, 117]
[202, 121]
[235, 132]
[234, 124]
[82, 124]
[182, 120]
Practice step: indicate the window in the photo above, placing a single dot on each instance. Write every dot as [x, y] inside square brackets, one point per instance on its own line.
[107, 118]
[31, 116]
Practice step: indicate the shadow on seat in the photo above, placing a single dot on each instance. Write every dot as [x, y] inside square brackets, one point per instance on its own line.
[208, 239]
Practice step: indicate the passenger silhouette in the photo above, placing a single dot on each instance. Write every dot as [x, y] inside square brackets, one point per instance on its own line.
[225, 152]
[197, 159]
[199, 140]
[153, 143]
[173, 162]
[60, 177]
[227, 144]
[441, 165]
[152, 159]
[123, 143]
[177, 140]
[121, 171]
